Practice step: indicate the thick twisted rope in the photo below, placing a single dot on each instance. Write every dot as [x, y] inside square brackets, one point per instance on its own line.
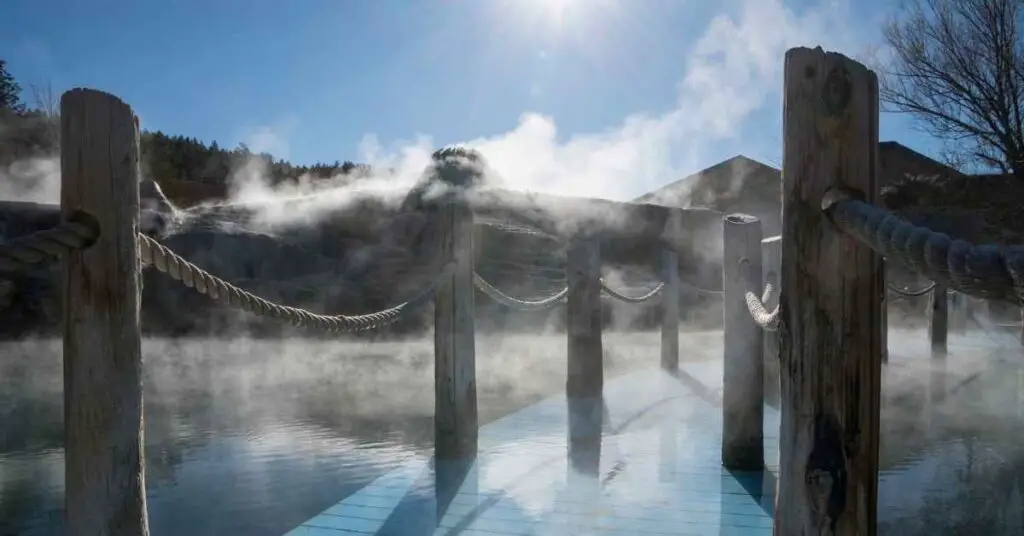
[516, 303]
[632, 299]
[985, 271]
[163, 259]
[768, 321]
[25, 252]
[912, 293]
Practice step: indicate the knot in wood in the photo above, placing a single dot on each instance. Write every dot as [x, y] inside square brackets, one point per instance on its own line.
[837, 91]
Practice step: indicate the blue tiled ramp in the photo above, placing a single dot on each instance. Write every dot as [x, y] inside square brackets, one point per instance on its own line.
[658, 473]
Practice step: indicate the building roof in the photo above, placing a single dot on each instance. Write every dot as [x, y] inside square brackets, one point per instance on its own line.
[714, 185]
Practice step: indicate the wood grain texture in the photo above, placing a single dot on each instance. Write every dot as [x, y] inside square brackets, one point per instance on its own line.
[743, 369]
[103, 411]
[456, 420]
[831, 325]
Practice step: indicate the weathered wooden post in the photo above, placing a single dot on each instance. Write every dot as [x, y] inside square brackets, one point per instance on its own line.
[104, 468]
[771, 259]
[743, 367]
[670, 310]
[585, 371]
[938, 319]
[455, 406]
[831, 329]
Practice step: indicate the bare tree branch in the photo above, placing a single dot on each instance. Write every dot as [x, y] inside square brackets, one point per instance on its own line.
[957, 66]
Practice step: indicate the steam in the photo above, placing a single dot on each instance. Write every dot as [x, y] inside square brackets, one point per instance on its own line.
[728, 98]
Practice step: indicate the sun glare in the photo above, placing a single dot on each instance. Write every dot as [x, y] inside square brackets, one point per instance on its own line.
[557, 14]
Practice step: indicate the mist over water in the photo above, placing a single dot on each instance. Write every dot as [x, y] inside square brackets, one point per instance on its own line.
[255, 436]
[248, 436]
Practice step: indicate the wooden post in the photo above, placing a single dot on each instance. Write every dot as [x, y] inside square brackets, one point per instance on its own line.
[938, 319]
[585, 370]
[883, 322]
[670, 310]
[743, 368]
[104, 467]
[831, 329]
[957, 311]
[455, 406]
[771, 259]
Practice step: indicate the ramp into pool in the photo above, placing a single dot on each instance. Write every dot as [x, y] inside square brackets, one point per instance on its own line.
[656, 471]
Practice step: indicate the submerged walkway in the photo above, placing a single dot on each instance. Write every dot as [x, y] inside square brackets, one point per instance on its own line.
[660, 473]
[660, 464]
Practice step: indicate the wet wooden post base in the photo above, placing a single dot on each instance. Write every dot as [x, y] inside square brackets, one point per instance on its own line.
[831, 330]
[670, 310]
[104, 468]
[584, 385]
[456, 425]
[743, 367]
[938, 320]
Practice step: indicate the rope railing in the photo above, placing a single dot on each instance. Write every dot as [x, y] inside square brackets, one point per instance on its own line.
[701, 290]
[911, 293]
[516, 303]
[984, 271]
[166, 261]
[632, 299]
[768, 321]
[49, 244]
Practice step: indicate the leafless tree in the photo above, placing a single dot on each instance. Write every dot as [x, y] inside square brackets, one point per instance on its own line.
[48, 106]
[44, 100]
[958, 67]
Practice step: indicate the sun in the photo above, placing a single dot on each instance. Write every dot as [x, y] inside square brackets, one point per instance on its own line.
[553, 14]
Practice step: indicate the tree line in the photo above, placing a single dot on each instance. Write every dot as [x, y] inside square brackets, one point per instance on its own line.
[33, 130]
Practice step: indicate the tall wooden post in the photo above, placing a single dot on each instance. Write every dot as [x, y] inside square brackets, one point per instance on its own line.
[456, 425]
[670, 310]
[585, 365]
[743, 368]
[831, 331]
[104, 468]
[938, 319]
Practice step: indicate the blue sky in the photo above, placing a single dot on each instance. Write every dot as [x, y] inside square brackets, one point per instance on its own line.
[596, 97]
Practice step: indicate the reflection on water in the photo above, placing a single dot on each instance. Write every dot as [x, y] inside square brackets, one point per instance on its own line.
[954, 464]
[255, 437]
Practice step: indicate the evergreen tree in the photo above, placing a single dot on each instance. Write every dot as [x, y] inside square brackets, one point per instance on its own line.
[10, 91]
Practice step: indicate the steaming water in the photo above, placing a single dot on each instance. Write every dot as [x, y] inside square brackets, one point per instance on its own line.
[254, 437]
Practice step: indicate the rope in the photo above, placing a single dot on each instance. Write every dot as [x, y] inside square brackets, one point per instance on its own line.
[163, 259]
[912, 293]
[985, 271]
[768, 321]
[709, 292]
[632, 299]
[516, 303]
[26, 252]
